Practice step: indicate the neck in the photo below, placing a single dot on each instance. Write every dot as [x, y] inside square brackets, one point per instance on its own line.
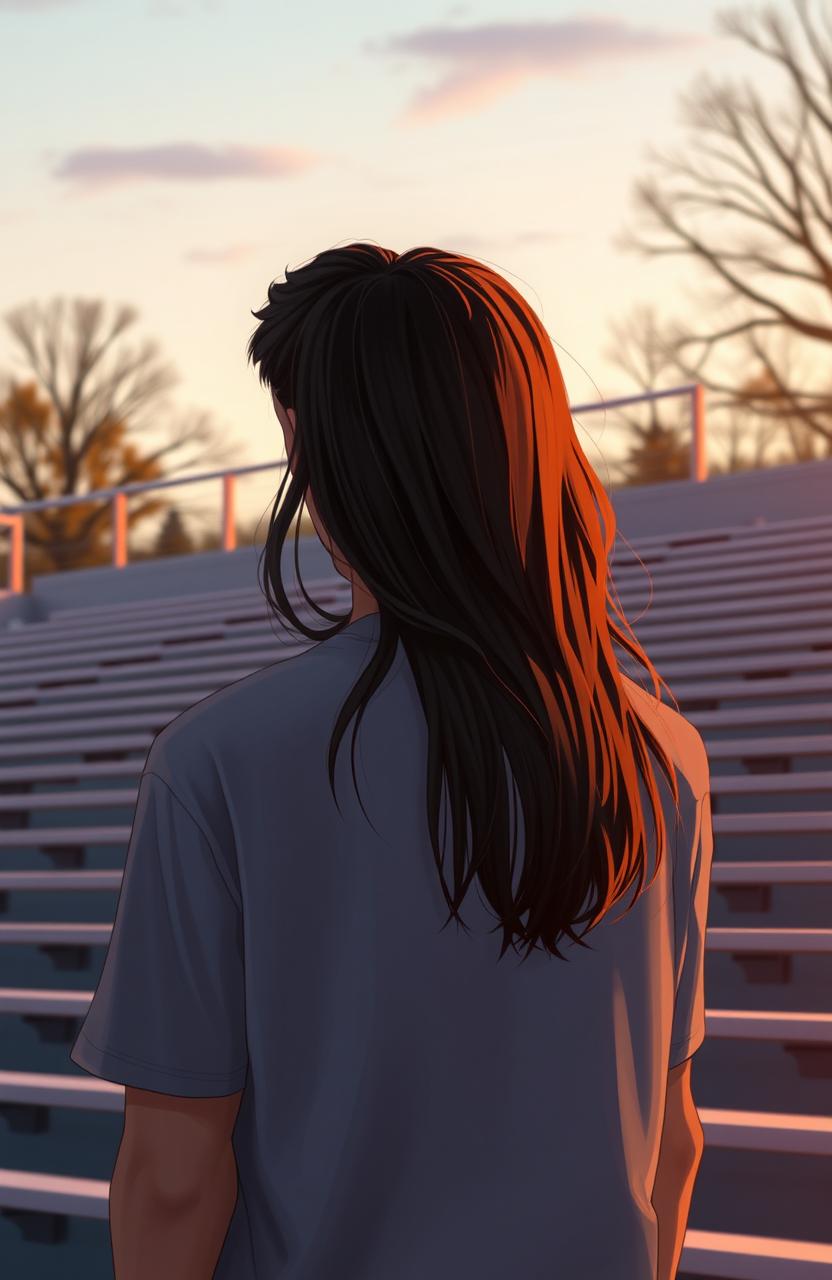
[362, 603]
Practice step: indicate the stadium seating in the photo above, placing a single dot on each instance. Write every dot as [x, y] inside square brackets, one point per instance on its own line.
[740, 626]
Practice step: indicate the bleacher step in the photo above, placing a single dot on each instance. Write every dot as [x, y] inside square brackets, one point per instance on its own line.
[812, 822]
[737, 941]
[722, 873]
[112, 797]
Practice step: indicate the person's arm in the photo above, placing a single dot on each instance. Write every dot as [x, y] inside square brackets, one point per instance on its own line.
[169, 1236]
[672, 1194]
[680, 1155]
[173, 1186]
[683, 1140]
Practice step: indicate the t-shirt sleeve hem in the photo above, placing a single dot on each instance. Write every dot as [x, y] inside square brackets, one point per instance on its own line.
[122, 1069]
[681, 1050]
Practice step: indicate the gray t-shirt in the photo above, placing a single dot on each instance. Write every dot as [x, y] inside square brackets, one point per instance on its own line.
[410, 1108]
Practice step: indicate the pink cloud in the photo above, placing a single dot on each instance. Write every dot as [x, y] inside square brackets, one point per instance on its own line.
[93, 167]
[487, 61]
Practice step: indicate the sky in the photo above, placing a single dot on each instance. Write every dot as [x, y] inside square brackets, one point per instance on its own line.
[178, 155]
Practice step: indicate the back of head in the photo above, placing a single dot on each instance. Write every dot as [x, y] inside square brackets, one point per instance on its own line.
[433, 431]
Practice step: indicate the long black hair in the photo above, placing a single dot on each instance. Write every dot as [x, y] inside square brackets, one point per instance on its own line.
[433, 430]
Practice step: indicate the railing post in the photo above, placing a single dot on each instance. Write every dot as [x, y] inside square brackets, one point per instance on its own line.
[16, 557]
[15, 524]
[119, 530]
[229, 528]
[698, 453]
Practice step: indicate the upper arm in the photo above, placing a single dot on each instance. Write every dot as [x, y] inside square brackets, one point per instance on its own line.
[178, 1135]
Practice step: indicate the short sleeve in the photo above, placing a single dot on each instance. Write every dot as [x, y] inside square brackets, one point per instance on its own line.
[688, 1029]
[169, 1010]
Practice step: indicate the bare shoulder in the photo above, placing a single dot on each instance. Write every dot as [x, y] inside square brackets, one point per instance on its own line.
[677, 735]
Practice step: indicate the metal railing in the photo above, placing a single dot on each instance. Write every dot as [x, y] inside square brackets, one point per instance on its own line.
[119, 496]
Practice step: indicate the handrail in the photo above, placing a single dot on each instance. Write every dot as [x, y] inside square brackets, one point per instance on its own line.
[14, 516]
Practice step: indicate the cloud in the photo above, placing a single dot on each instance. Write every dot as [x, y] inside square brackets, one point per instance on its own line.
[231, 254]
[94, 167]
[487, 61]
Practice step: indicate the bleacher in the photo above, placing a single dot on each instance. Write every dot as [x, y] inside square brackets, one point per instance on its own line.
[741, 628]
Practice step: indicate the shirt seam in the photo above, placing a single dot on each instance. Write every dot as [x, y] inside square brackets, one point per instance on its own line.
[680, 1044]
[169, 1071]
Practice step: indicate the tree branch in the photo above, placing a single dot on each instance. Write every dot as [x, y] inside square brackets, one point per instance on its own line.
[653, 201]
[738, 25]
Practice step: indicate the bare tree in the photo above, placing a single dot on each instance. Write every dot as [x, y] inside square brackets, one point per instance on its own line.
[752, 202]
[100, 395]
[661, 447]
[660, 429]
